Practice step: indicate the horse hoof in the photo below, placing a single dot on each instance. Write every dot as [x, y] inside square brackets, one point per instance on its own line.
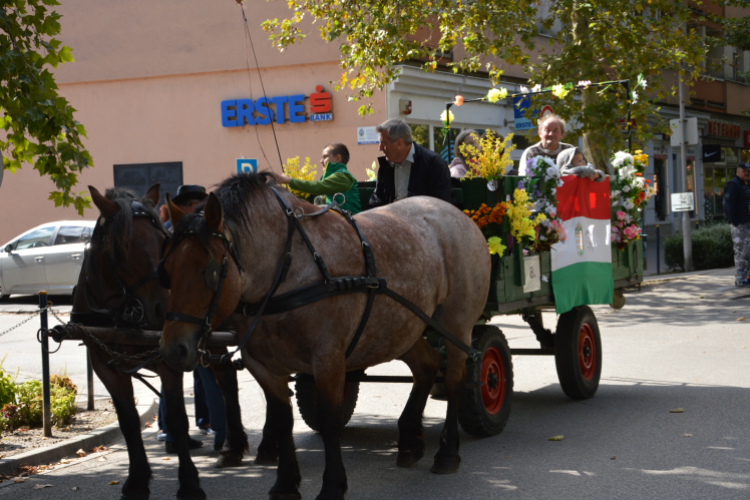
[226, 461]
[409, 458]
[266, 458]
[284, 496]
[198, 494]
[445, 465]
[134, 496]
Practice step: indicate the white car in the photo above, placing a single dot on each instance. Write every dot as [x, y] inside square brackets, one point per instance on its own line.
[48, 257]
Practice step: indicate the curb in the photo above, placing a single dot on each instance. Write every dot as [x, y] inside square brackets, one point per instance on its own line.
[98, 437]
[655, 279]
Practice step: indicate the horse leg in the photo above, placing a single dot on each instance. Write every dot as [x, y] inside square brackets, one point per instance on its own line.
[176, 422]
[120, 388]
[268, 449]
[447, 458]
[279, 424]
[236, 443]
[423, 361]
[329, 383]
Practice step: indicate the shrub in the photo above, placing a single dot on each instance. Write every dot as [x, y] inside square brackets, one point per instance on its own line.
[30, 403]
[27, 407]
[712, 248]
[62, 399]
[7, 387]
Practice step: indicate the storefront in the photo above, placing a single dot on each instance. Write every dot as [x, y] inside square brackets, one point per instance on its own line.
[725, 145]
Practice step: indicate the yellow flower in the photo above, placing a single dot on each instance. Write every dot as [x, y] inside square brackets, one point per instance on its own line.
[490, 159]
[495, 95]
[450, 115]
[560, 91]
[306, 172]
[496, 246]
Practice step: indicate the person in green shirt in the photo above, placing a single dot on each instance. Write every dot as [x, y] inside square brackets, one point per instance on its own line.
[336, 179]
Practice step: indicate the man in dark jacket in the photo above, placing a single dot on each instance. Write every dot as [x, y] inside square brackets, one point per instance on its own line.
[737, 209]
[407, 169]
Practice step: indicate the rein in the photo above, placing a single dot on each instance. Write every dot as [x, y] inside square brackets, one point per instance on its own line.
[130, 311]
[329, 287]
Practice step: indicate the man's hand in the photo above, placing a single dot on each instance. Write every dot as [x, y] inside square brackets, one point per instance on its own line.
[280, 178]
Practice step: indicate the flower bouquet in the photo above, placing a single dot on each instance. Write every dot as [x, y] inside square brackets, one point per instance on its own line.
[306, 172]
[540, 186]
[490, 222]
[490, 160]
[634, 193]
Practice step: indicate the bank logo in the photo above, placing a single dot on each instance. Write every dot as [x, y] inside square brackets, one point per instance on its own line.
[281, 109]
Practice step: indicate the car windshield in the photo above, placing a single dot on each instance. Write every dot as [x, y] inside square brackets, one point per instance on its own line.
[35, 239]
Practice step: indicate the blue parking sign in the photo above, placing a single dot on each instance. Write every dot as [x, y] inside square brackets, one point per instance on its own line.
[247, 165]
[520, 105]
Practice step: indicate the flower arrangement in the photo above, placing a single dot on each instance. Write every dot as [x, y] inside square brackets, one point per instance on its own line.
[634, 193]
[491, 159]
[490, 222]
[624, 230]
[306, 172]
[540, 184]
[372, 173]
[522, 223]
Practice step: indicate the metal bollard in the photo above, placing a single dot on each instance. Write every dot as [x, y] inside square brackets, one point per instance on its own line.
[658, 253]
[90, 381]
[46, 413]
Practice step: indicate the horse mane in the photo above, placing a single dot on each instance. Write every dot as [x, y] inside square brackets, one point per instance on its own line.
[233, 194]
[118, 241]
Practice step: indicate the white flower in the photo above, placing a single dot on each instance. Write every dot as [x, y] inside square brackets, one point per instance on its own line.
[615, 194]
[622, 157]
[559, 182]
[628, 204]
[634, 97]
[554, 191]
[644, 83]
[524, 89]
[584, 83]
[627, 172]
[536, 88]
[626, 189]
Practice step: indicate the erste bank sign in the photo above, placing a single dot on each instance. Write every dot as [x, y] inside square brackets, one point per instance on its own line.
[241, 112]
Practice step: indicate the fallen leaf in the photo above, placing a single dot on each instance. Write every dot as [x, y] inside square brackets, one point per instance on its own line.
[148, 424]
[741, 319]
[700, 297]
[42, 486]
[557, 438]
[75, 488]
[19, 480]
[165, 458]
[98, 449]
[114, 482]
[67, 460]
[677, 410]
[102, 459]
[687, 435]
[613, 457]
[81, 453]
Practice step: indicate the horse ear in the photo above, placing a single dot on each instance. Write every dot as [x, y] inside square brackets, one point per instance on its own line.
[214, 214]
[108, 208]
[175, 213]
[153, 194]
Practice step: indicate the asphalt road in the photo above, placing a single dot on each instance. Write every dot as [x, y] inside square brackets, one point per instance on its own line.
[675, 345]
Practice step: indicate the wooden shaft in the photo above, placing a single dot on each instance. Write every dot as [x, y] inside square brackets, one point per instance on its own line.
[141, 337]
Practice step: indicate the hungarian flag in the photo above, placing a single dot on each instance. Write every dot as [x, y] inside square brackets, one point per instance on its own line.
[582, 264]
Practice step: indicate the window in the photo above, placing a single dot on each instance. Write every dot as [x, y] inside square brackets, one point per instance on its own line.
[69, 234]
[140, 177]
[35, 239]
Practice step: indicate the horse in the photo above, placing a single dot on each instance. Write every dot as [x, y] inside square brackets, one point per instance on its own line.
[262, 241]
[118, 288]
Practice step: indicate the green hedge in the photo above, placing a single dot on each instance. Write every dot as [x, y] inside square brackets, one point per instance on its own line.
[712, 248]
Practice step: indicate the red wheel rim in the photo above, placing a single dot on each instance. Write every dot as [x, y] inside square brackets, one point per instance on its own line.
[587, 351]
[493, 381]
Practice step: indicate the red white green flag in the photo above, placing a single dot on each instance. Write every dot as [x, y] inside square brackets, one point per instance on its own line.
[582, 264]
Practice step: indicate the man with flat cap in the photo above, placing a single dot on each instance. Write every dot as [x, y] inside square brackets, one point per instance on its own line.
[187, 197]
[737, 209]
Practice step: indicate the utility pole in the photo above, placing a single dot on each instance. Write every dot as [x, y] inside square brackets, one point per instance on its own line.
[687, 241]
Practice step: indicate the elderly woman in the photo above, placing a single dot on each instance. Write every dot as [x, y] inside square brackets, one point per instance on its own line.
[458, 166]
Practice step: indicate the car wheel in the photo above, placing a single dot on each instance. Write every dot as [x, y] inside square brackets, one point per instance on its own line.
[4, 297]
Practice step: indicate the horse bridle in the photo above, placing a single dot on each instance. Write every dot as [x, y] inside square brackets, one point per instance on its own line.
[215, 275]
[130, 311]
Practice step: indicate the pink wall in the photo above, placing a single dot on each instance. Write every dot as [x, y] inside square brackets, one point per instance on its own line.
[148, 81]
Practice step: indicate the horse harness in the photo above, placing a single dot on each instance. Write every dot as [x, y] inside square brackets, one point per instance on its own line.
[330, 286]
[130, 311]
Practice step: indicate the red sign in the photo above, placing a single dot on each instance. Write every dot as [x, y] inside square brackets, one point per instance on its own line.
[747, 138]
[546, 110]
[723, 129]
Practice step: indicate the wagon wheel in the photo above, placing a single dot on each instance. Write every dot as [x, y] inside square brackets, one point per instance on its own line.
[578, 353]
[485, 407]
[307, 399]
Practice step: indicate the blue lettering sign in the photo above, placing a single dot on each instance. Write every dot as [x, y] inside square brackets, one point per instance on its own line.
[228, 113]
[279, 103]
[247, 165]
[520, 105]
[297, 106]
[321, 117]
[244, 112]
[264, 114]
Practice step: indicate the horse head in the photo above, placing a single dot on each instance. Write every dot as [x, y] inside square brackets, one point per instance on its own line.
[201, 267]
[118, 279]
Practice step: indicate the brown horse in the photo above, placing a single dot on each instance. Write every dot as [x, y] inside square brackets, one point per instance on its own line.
[118, 287]
[426, 250]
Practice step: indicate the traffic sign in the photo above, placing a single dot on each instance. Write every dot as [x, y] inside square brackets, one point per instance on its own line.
[546, 110]
[247, 165]
[683, 202]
